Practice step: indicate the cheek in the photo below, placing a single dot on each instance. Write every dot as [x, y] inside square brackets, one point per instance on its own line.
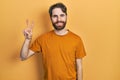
[53, 20]
[64, 19]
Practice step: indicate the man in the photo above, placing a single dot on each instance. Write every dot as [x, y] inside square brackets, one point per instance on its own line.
[62, 50]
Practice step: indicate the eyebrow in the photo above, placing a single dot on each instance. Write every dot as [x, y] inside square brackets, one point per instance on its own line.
[57, 15]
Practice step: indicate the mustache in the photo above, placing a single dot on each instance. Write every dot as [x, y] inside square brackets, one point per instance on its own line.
[59, 22]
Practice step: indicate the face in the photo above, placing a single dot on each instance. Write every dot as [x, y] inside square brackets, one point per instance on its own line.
[58, 19]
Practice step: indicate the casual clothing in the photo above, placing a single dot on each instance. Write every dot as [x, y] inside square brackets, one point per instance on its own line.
[59, 54]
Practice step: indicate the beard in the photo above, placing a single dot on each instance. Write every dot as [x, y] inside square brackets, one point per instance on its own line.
[59, 27]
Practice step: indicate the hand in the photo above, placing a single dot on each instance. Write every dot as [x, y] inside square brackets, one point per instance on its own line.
[28, 31]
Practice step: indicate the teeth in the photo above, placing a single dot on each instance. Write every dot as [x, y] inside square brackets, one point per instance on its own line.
[59, 23]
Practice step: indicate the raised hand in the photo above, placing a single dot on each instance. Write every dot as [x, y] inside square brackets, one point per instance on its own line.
[28, 31]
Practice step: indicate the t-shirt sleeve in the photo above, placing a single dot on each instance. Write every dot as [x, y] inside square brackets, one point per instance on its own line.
[80, 50]
[36, 46]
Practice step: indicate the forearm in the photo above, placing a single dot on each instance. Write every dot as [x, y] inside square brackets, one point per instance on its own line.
[25, 52]
[79, 69]
[25, 49]
[79, 73]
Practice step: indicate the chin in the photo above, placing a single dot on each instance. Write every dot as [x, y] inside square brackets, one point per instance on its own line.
[59, 28]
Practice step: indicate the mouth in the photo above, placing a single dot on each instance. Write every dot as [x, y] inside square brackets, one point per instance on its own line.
[59, 23]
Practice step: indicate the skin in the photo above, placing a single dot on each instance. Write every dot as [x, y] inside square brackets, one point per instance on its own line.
[58, 19]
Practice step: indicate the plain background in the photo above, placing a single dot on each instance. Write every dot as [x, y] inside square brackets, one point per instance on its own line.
[96, 21]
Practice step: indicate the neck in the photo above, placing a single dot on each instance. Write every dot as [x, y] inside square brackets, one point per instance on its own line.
[61, 32]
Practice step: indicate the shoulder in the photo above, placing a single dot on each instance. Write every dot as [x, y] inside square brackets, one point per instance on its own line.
[45, 35]
[75, 36]
[77, 39]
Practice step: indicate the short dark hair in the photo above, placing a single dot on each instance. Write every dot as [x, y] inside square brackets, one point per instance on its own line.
[58, 5]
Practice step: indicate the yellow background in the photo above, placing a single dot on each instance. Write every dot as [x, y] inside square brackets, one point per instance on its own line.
[96, 21]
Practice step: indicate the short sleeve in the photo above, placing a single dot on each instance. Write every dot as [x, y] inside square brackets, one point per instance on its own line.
[80, 50]
[36, 46]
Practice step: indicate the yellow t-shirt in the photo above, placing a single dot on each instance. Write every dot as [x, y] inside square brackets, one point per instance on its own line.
[59, 54]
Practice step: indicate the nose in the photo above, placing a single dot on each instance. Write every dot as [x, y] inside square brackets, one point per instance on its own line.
[59, 18]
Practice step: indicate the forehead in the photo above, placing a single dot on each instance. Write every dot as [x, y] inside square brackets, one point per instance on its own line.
[57, 11]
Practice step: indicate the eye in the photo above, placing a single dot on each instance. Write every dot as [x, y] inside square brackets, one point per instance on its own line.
[54, 16]
[62, 15]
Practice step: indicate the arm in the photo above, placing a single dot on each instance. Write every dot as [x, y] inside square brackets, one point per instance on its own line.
[25, 51]
[79, 69]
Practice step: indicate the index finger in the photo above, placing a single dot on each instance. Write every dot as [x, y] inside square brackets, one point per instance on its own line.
[27, 22]
[32, 25]
[29, 25]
